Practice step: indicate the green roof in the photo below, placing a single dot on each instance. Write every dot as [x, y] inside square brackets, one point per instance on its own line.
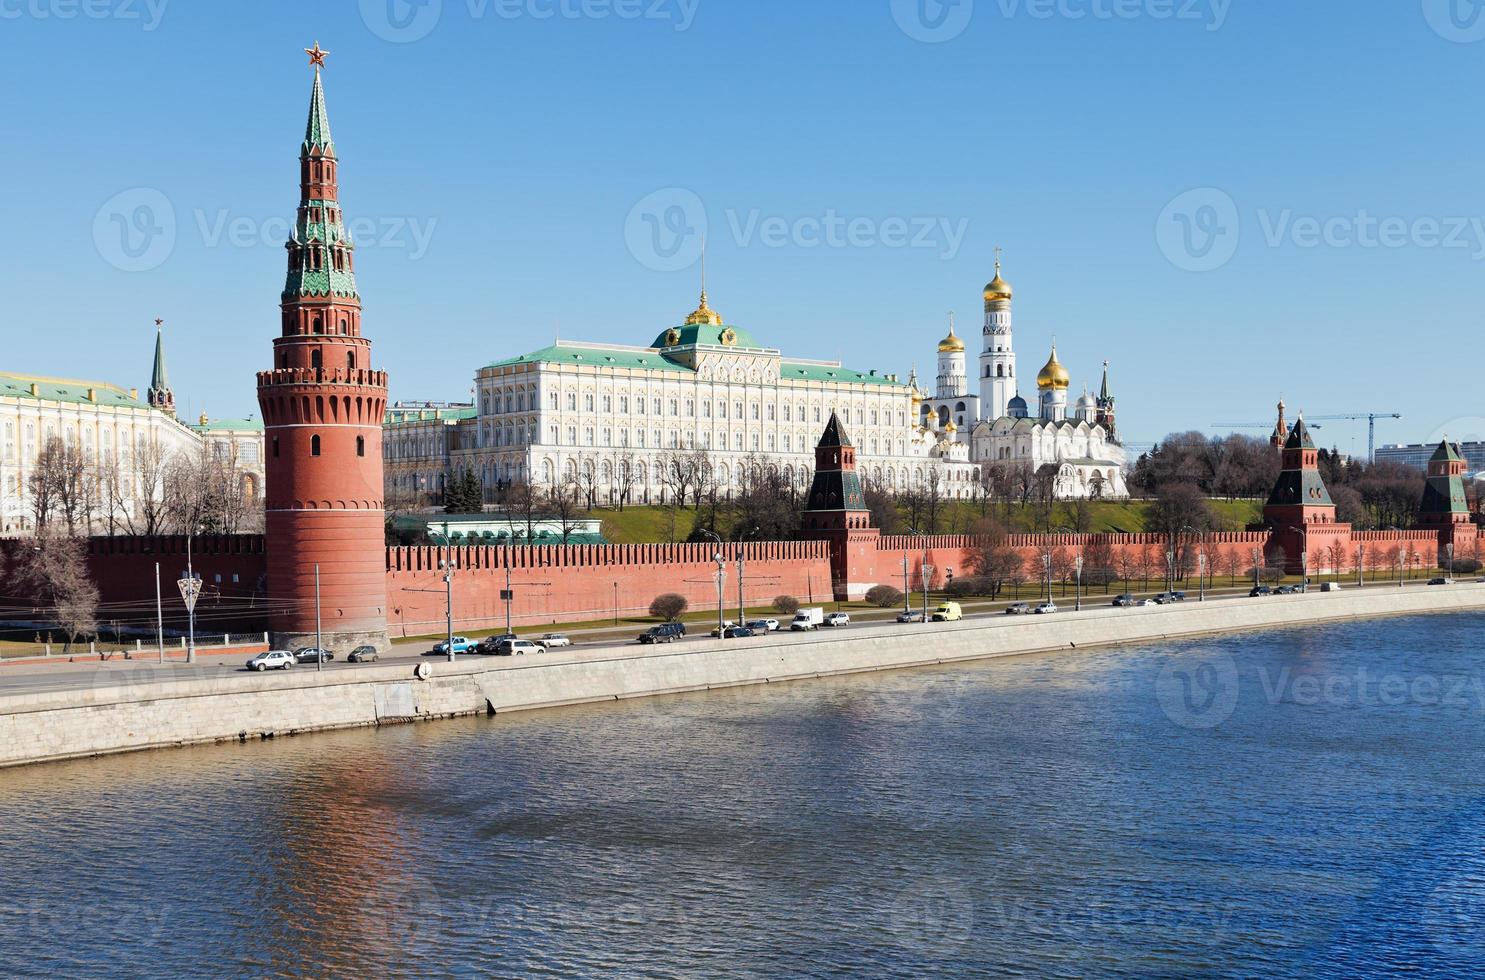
[317, 132]
[400, 416]
[596, 357]
[1446, 454]
[230, 425]
[708, 335]
[794, 371]
[66, 390]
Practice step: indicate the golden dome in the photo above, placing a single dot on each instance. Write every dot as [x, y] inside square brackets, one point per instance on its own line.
[951, 344]
[1054, 375]
[998, 290]
[951, 427]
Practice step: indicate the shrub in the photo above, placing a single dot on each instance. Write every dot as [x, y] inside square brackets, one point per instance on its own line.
[669, 606]
[1469, 566]
[883, 596]
[785, 605]
[963, 588]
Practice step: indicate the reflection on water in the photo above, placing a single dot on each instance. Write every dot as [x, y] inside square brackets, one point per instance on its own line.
[1291, 804]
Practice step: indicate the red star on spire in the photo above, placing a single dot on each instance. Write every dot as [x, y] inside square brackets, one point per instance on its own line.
[317, 55]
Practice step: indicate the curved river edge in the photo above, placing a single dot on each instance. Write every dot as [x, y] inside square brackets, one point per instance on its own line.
[156, 710]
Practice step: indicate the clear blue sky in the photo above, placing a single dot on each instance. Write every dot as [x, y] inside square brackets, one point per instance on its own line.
[520, 144]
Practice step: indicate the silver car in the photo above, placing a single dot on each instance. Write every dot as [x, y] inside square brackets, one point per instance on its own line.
[273, 660]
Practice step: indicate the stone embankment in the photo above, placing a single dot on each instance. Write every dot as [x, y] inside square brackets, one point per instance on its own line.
[182, 709]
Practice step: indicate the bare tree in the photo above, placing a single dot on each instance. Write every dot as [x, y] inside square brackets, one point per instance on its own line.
[677, 476]
[562, 503]
[626, 477]
[62, 487]
[55, 571]
[992, 560]
[587, 483]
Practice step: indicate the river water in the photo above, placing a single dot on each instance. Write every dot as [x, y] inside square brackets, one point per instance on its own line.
[1292, 804]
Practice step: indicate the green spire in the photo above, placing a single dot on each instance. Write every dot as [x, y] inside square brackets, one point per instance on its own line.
[159, 380]
[1103, 394]
[317, 132]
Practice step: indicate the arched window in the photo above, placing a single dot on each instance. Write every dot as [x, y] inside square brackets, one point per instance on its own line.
[275, 447]
[350, 360]
[314, 445]
[316, 358]
[360, 445]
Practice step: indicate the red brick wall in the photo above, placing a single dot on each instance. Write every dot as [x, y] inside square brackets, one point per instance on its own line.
[586, 582]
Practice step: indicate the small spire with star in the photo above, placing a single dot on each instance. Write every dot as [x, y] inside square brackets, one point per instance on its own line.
[317, 131]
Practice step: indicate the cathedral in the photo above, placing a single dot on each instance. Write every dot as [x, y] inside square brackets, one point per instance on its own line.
[1075, 446]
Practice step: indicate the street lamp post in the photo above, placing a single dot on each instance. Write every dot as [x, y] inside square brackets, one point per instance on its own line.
[1449, 551]
[923, 567]
[1047, 573]
[1078, 601]
[448, 584]
[1201, 560]
[319, 634]
[159, 616]
[721, 584]
[1255, 567]
[742, 614]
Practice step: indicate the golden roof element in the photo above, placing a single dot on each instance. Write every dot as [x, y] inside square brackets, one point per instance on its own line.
[951, 344]
[998, 290]
[704, 316]
[1054, 375]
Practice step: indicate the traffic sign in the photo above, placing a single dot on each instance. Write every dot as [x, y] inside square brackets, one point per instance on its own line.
[190, 590]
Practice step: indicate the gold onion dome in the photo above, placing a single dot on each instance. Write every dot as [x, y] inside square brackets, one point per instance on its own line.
[951, 344]
[998, 290]
[951, 427]
[1054, 375]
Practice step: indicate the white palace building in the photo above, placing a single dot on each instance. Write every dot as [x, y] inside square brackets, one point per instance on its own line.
[613, 417]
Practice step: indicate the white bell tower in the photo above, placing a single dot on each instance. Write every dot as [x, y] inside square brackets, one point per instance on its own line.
[998, 362]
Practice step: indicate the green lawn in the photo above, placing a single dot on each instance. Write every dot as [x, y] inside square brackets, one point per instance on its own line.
[650, 525]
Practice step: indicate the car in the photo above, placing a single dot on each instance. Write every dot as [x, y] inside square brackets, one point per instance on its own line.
[518, 648]
[1124, 601]
[273, 660]
[1145, 604]
[1331, 587]
[308, 655]
[1286, 590]
[553, 641]
[1018, 609]
[738, 632]
[837, 619]
[910, 616]
[664, 633]
[1259, 590]
[491, 644]
[1046, 608]
[771, 625]
[1441, 581]
[462, 644]
[363, 655]
[1166, 598]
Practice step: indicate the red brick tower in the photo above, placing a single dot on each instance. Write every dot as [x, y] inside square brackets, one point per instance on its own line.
[836, 512]
[1299, 512]
[322, 414]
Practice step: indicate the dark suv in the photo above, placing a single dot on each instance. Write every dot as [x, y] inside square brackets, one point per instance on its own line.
[664, 633]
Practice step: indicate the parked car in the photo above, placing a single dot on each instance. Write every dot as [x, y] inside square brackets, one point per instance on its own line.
[491, 644]
[363, 655]
[308, 655]
[462, 644]
[1331, 587]
[1441, 581]
[1286, 590]
[1144, 603]
[664, 633]
[1046, 608]
[1166, 598]
[837, 619]
[1124, 601]
[808, 619]
[273, 660]
[771, 625]
[948, 612]
[739, 632]
[553, 641]
[518, 648]
[721, 631]
[1018, 609]
[910, 616]
[1259, 590]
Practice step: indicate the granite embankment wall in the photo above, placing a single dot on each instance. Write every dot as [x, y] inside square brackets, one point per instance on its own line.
[103, 719]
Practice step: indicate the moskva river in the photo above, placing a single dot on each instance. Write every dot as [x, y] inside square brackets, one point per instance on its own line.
[1293, 804]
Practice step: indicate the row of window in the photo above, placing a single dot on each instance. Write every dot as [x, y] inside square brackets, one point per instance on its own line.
[513, 403]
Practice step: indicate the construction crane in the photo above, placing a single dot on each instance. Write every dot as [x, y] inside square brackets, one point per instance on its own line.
[1310, 420]
[1371, 427]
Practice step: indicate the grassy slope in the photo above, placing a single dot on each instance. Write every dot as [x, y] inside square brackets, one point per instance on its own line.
[641, 525]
